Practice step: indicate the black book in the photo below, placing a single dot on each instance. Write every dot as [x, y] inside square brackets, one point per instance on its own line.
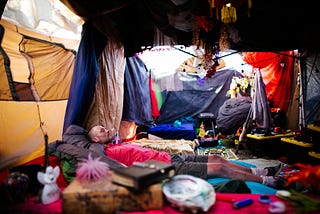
[142, 174]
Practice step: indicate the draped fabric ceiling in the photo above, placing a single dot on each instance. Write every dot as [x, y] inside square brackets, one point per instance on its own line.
[260, 25]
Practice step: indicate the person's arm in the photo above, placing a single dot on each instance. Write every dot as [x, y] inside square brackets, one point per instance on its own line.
[81, 153]
[75, 134]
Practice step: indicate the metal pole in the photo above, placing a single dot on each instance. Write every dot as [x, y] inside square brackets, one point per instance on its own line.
[302, 121]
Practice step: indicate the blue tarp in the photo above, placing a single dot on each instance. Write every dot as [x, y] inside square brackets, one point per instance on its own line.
[197, 96]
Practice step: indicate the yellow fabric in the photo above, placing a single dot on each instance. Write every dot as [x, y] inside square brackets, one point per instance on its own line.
[53, 68]
[32, 68]
[21, 137]
[47, 67]
[10, 44]
[228, 14]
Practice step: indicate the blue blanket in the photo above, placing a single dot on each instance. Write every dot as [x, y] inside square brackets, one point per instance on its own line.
[169, 131]
[256, 188]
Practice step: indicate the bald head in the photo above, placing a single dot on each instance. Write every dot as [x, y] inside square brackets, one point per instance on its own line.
[100, 134]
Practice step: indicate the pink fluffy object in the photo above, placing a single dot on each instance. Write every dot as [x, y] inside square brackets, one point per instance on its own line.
[92, 170]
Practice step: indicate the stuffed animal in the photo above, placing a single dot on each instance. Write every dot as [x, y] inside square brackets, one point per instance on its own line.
[50, 192]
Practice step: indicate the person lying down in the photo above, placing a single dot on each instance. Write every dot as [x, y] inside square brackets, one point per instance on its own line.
[97, 141]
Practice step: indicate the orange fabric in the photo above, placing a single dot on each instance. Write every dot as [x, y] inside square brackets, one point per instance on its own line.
[277, 71]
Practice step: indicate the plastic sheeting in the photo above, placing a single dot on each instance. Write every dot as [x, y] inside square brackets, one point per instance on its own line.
[195, 95]
[47, 17]
[311, 83]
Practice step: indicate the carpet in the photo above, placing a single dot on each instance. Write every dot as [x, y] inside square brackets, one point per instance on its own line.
[223, 152]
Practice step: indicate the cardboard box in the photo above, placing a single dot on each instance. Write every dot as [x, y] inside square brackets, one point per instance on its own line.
[107, 197]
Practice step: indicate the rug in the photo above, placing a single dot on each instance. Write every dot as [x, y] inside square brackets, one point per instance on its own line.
[223, 152]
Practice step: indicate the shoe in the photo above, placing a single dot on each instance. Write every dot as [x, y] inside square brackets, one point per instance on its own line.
[275, 170]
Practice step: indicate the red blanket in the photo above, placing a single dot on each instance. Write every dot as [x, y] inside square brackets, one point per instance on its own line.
[221, 206]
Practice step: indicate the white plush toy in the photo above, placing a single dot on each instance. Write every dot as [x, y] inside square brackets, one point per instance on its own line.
[50, 191]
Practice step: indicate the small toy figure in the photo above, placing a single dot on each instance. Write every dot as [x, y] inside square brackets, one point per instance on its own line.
[50, 192]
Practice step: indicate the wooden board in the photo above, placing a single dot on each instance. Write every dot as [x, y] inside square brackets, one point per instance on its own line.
[314, 128]
[314, 154]
[270, 137]
[106, 197]
[296, 142]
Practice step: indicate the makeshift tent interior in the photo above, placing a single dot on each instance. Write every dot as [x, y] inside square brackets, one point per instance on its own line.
[51, 78]
[37, 68]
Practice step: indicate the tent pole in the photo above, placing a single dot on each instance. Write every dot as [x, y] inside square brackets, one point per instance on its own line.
[243, 134]
[302, 121]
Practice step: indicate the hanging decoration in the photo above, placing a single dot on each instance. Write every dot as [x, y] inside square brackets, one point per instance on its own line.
[228, 14]
[228, 9]
[217, 26]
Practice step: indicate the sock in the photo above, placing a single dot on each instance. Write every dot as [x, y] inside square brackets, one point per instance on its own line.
[269, 181]
[259, 171]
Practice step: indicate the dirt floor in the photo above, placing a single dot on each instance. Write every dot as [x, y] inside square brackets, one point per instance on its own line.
[246, 155]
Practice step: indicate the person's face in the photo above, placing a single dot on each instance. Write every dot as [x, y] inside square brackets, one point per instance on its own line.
[103, 134]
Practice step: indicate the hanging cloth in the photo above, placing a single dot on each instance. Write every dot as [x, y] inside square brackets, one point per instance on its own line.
[260, 106]
[228, 14]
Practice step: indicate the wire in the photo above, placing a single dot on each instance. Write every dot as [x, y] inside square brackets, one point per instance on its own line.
[45, 135]
[216, 58]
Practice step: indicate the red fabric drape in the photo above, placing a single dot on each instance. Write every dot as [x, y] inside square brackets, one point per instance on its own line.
[154, 102]
[277, 72]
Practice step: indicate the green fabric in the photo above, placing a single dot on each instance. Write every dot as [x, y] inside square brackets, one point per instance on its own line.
[158, 93]
[232, 186]
[68, 165]
[68, 171]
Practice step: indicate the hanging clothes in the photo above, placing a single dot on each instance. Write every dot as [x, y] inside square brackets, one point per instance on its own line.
[260, 106]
